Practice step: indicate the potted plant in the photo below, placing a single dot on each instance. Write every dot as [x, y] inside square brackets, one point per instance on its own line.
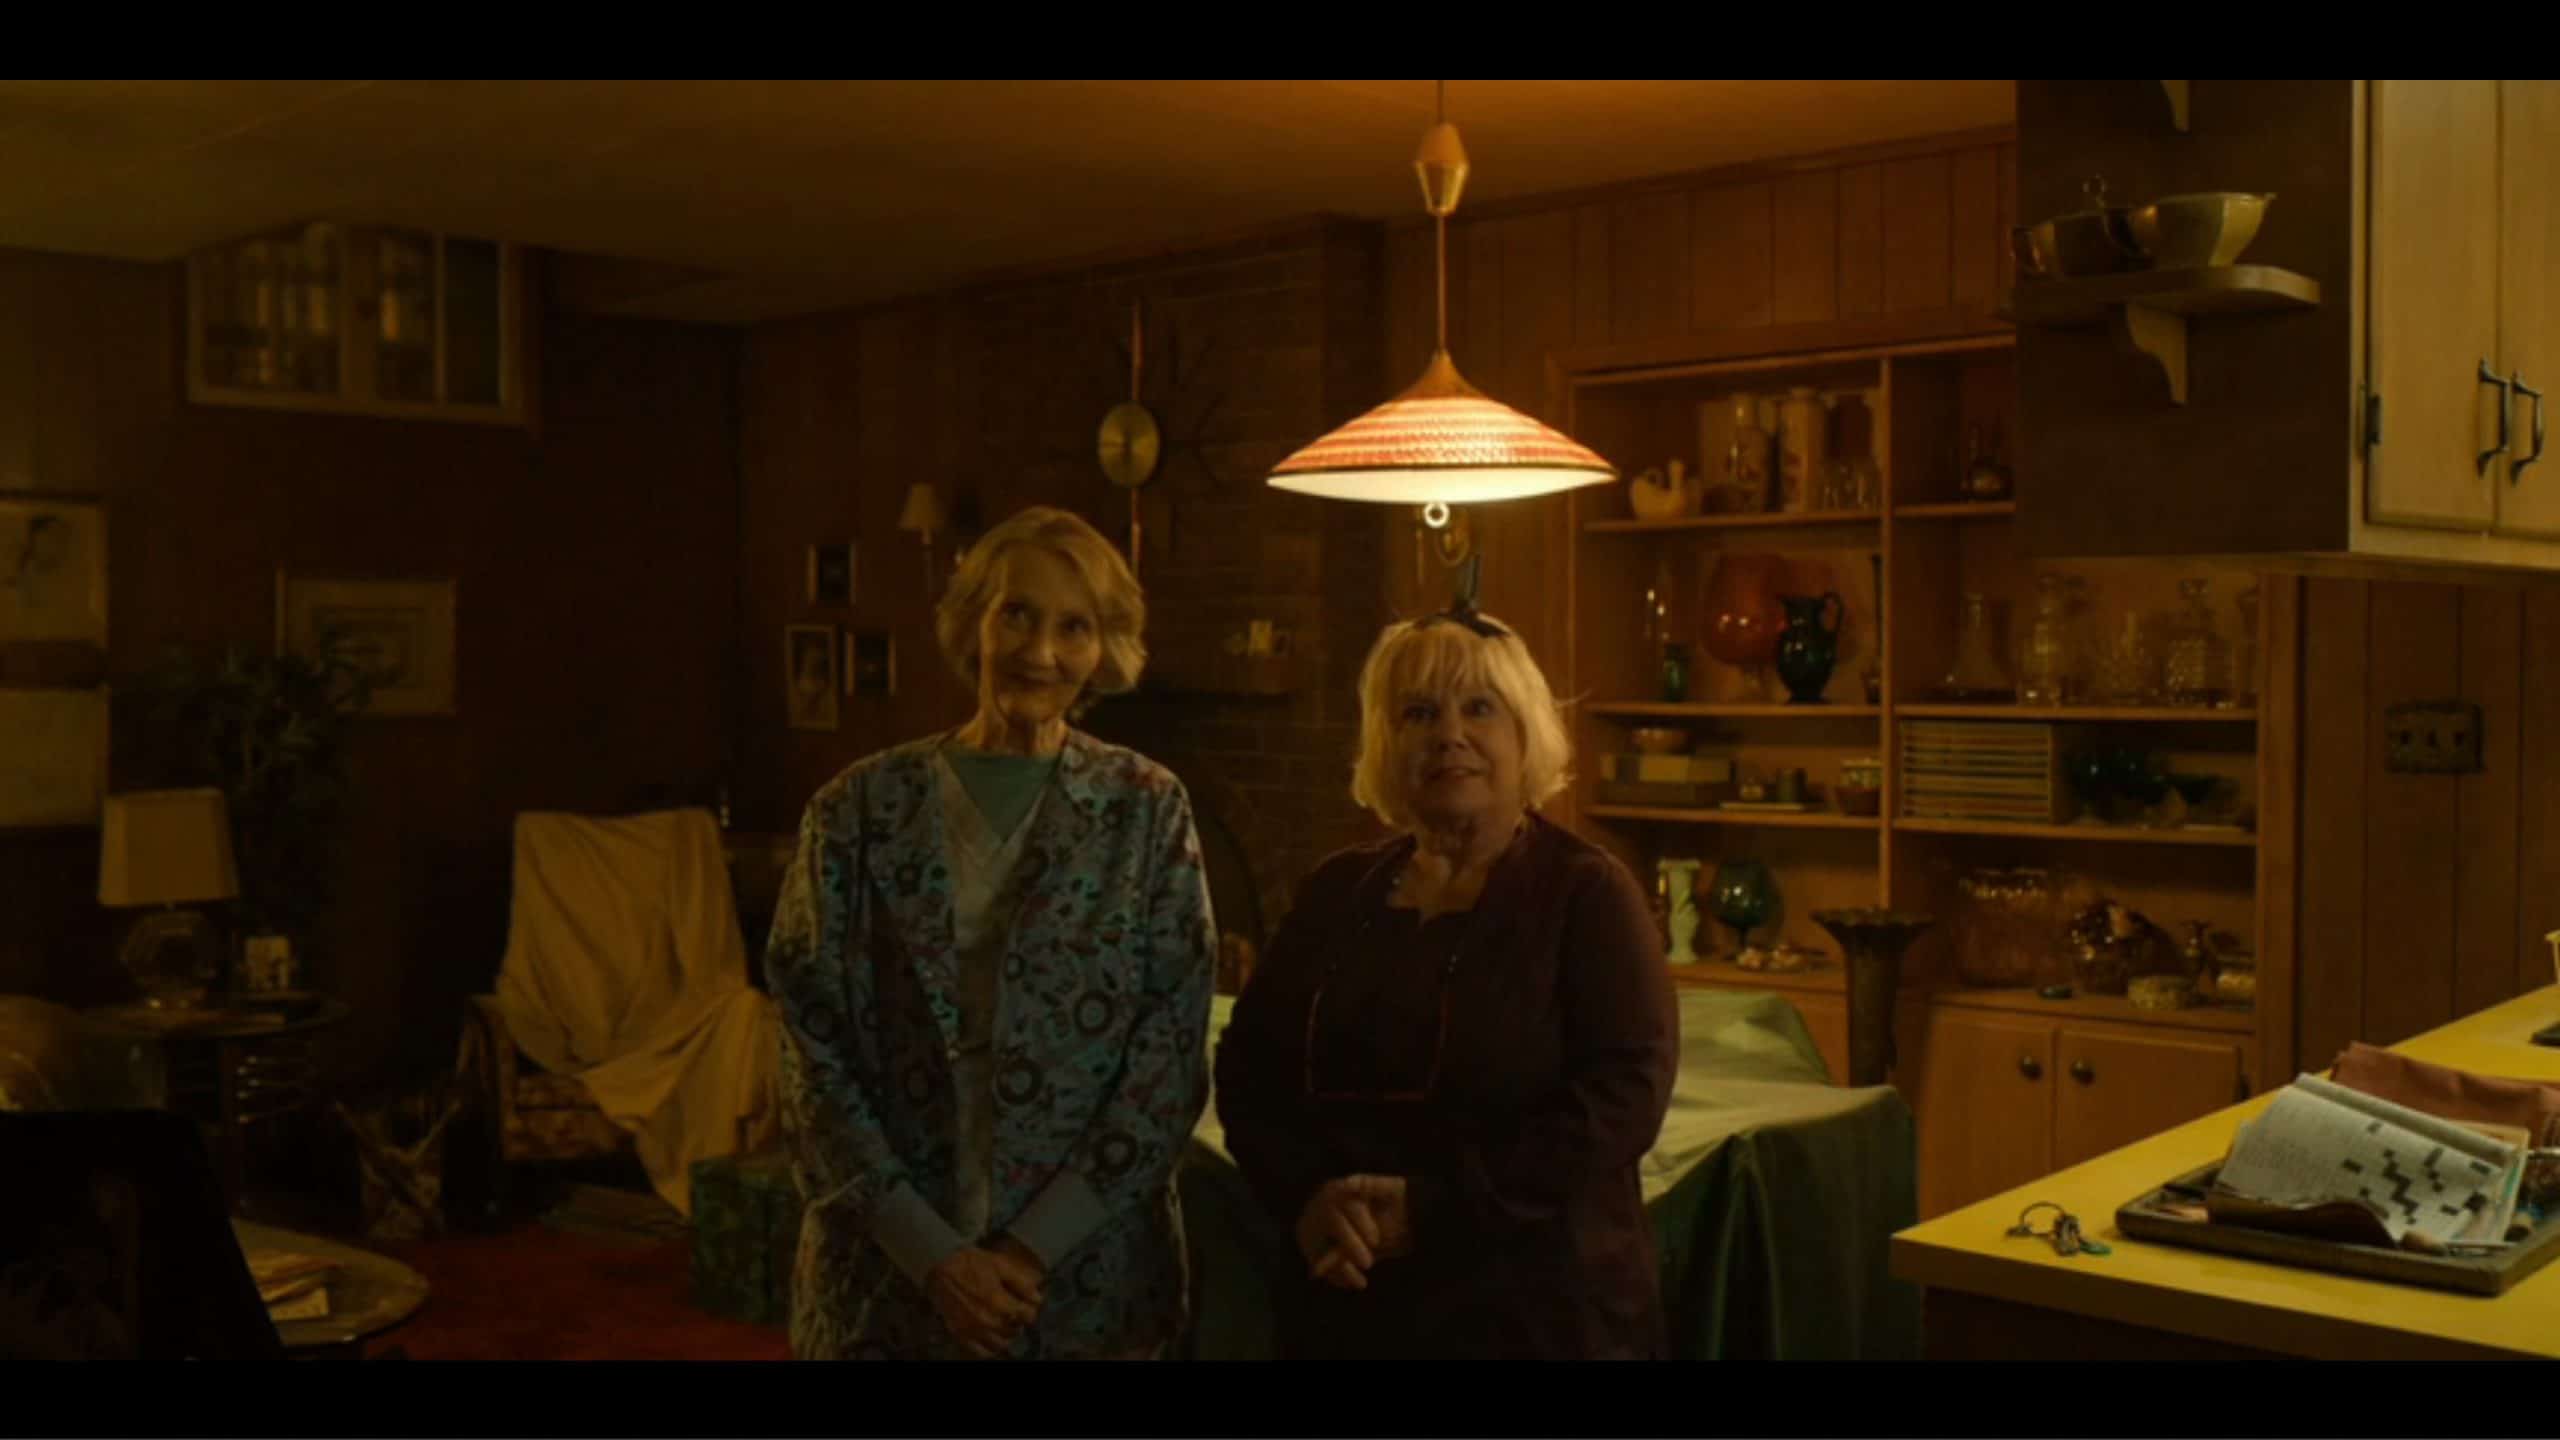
[270, 732]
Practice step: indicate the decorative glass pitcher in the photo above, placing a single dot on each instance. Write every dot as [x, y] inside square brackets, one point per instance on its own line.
[1810, 645]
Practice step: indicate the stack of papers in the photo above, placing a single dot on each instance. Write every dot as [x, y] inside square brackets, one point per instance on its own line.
[295, 1286]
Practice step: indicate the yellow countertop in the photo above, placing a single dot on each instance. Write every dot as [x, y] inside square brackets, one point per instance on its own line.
[2228, 1298]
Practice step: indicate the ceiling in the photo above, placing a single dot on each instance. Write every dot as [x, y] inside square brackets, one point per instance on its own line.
[755, 199]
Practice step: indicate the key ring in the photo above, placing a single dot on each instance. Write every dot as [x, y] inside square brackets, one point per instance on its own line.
[2065, 1236]
[2023, 1230]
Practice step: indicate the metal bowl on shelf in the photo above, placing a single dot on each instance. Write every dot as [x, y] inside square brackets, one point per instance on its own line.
[2185, 231]
[2095, 241]
[2033, 246]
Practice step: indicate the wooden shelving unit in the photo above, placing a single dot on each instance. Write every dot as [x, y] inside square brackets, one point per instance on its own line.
[2095, 834]
[1654, 710]
[2087, 714]
[2110, 1009]
[1826, 980]
[1776, 521]
[1775, 819]
[1902, 575]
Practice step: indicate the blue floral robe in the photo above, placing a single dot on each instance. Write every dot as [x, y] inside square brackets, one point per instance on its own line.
[1100, 1064]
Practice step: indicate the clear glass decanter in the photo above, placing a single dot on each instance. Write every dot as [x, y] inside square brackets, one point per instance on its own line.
[2129, 674]
[1979, 673]
[2244, 653]
[2198, 666]
[2048, 655]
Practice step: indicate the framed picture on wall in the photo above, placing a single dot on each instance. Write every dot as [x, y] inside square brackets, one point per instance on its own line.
[831, 575]
[870, 663]
[53, 571]
[399, 631]
[809, 676]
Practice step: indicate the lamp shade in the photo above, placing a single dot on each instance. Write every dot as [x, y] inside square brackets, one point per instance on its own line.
[1441, 440]
[923, 512]
[166, 847]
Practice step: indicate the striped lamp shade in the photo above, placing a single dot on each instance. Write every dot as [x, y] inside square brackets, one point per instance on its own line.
[1444, 441]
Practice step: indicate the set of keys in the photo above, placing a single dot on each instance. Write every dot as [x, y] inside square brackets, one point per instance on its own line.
[2066, 1236]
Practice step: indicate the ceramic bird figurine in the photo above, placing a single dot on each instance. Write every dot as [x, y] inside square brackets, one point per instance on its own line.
[1658, 494]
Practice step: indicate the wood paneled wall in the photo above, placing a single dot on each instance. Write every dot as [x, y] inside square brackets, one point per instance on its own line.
[2424, 897]
[1896, 242]
[993, 393]
[597, 567]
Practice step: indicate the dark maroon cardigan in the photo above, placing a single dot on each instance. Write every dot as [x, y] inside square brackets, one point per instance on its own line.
[1530, 1234]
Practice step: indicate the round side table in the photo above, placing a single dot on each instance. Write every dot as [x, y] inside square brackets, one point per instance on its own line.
[234, 1068]
[368, 1294]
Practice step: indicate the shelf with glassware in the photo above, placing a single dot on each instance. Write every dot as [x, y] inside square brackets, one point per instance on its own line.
[1691, 756]
[346, 319]
[2167, 788]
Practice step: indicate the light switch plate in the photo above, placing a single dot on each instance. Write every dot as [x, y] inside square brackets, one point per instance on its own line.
[2432, 737]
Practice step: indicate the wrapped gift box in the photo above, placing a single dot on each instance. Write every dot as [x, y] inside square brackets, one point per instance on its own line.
[746, 1230]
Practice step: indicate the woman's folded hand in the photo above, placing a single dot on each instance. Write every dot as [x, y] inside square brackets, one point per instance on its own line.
[984, 1298]
[1351, 1224]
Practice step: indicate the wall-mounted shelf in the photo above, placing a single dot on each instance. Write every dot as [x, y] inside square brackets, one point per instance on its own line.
[1958, 510]
[1737, 522]
[1778, 819]
[2114, 1009]
[2157, 305]
[1692, 710]
[2102, 834]
[1826, 978]
[2144, 714]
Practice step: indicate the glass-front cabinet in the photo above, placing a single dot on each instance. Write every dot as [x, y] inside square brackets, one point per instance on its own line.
[362, 320]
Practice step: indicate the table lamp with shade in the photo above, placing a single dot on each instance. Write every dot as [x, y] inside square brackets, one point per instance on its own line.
[160, 851]
[922, 515]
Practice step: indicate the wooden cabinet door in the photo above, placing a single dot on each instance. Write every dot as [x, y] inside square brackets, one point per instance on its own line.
[2432, 253]
[1985, 1107]
[2115, 1088]
[2529, 298]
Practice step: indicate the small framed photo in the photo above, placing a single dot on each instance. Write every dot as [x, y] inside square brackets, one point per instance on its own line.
[870, 662]
[399, 631]
[809, 676]
[831, 575]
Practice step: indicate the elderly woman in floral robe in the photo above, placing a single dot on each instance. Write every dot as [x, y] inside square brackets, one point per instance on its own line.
[993, 955]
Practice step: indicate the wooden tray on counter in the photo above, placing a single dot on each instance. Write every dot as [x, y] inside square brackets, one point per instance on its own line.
[2147, 1218]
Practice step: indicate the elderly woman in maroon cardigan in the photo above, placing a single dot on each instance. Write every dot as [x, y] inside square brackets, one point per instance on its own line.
[1461, 1042]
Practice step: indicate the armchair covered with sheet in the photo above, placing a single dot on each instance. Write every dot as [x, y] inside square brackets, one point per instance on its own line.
[623, 1013]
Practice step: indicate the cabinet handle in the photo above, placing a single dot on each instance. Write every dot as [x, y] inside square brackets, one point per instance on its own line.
[2031, 1067]
[2515, 474]
[2506, 407]
[2081, 1072]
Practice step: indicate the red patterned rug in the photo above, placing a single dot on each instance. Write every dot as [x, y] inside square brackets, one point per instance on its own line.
[537, 1293]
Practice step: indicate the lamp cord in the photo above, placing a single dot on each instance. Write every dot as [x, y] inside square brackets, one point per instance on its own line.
[1440, 229]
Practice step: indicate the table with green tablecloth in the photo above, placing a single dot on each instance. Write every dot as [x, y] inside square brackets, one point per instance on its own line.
[1774, 1196]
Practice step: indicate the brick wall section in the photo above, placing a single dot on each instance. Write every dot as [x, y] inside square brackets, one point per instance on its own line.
[1253, 348]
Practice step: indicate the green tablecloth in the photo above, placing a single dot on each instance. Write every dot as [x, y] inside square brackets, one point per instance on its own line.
[1774, 1198]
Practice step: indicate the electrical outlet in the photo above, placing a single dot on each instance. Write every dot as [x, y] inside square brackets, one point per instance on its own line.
[2432, 737]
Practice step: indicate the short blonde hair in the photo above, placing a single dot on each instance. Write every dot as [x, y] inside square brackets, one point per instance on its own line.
[1434, 655]
[1120, 607]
